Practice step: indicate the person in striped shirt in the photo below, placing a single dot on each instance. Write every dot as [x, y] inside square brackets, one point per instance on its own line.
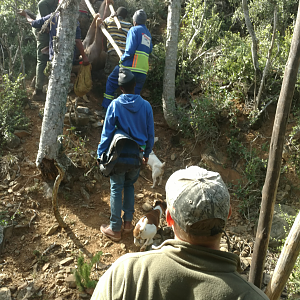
[119, 36]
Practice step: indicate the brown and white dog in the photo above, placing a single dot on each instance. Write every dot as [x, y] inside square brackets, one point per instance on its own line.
[147, 226]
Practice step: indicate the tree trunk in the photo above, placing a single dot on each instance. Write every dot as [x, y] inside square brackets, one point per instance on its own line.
[55, 106]
[254, 45]
[168, 97]
[273, 171]
[268, 63]
[285, 263]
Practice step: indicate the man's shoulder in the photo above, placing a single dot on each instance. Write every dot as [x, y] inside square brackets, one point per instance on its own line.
[109, 20]
[250, 291]
[125, 23]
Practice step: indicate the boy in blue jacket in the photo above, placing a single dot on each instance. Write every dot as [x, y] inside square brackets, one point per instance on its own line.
[133, 115]
[135, 58]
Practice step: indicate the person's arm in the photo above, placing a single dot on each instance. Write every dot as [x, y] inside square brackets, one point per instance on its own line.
[24, 14]
[108, 131]
[85, 60]
[79, 46]
[131, 45]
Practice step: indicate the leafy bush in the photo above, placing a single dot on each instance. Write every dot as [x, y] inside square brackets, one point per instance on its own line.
[156, 73]
[249, 192]
[201, 121]
[198, 42]
[83, 272]
[11, 114]
[9, 34]
[156, 10]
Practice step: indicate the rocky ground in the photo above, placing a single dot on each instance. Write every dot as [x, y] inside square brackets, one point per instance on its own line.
[38, 258]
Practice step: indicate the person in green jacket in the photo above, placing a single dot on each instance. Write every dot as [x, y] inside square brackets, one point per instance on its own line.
[45, 8]
[191, 266]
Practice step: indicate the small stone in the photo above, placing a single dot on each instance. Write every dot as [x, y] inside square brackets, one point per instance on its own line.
[52, 229]
[71, 281]
[66, 261]
[45, 267]
[17, 252]
[84, 194]
[69, 270]
[139, 196]
[107, 254]
[173, 156]
[266, 278]
[107, 244]
[60, 276]
[123, 246]
[101, 266]
[97, 124]
[21, 133]
[147, 206]
[5, 293]
[83, 110]
[84, 296]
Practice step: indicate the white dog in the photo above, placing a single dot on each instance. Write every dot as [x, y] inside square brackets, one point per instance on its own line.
[157, 168]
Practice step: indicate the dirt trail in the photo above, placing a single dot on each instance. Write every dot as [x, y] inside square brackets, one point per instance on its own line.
[21, 263]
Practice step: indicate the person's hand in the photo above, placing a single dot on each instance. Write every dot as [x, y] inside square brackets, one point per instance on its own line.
[145, 160]
[21, 12]
[99, 21]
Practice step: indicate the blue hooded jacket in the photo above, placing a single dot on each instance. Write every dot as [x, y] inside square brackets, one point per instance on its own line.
[138, 47]
[133, 115]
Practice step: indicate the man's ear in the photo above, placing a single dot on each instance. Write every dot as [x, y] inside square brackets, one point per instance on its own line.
[169, 219]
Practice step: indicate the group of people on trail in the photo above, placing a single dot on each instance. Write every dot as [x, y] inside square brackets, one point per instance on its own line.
[190, 266]
[45, 47]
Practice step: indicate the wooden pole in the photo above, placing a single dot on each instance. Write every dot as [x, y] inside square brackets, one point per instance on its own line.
[115, 17]
[285, 263]
[273, 171]
[105, 32]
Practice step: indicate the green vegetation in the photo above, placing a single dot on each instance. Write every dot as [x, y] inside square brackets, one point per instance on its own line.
[156, 73]
[293, 284]
[12, 113]
[83, 272]
[14, 30]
